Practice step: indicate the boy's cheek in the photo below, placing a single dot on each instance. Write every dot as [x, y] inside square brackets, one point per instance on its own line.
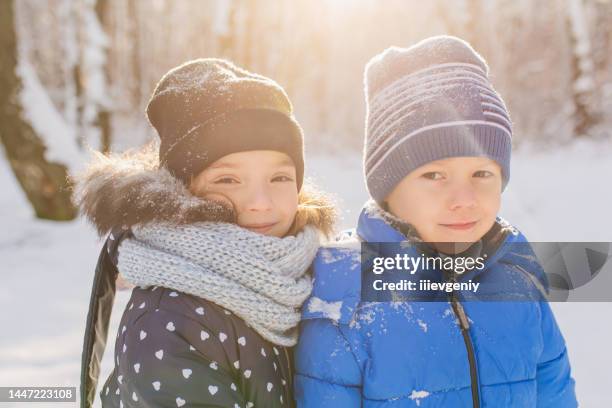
[422, 210]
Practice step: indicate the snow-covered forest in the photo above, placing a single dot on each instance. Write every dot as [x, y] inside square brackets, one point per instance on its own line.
[76, 75]
[91, 64]
[551, 60]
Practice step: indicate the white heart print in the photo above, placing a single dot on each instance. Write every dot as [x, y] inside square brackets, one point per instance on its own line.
[204, 335]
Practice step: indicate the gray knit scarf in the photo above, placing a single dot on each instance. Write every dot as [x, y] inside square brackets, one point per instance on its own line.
[262, 279]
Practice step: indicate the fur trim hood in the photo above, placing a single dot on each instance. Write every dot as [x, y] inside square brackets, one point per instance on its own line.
[124, 190]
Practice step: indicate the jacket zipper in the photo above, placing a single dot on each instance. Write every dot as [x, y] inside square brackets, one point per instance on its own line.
[290, 368]
[469, 346]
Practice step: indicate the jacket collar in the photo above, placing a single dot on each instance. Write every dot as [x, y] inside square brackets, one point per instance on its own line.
[337, 268]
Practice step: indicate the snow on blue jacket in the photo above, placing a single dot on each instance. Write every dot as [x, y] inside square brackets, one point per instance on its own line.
[413, 354]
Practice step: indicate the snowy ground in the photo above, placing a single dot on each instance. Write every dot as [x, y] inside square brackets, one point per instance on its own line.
[47, 268]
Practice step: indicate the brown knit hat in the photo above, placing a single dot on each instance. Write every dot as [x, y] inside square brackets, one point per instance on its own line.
[208, 108]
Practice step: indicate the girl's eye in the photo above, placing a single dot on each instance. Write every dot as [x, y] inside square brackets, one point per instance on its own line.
[225, 180]
[483, 173]
[432, 175]
[282, 178]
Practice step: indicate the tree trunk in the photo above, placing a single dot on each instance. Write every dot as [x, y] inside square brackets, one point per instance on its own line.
[583, 81]
[45, 184]
[136, 52]
[224, 28]
[104, 116]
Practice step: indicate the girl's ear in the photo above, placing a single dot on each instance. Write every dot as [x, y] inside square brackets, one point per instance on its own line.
[314, 208]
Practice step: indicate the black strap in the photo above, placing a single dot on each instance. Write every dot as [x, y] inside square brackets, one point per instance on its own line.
[98, 318]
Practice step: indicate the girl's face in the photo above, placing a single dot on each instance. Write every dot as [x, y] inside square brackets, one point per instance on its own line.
[259, 184]
[450, 200]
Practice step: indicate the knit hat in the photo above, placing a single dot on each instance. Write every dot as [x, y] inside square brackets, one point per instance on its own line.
[208, 108]
[428, 102]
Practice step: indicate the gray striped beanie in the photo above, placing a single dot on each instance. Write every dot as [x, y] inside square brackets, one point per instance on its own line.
[428, 102]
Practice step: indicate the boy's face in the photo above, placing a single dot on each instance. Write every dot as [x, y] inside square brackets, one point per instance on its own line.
[450, 200]
[259, 184]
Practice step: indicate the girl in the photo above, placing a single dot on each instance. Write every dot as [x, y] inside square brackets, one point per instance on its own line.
[217, 231]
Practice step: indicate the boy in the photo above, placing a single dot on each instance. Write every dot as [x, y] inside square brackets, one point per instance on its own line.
[437, 156]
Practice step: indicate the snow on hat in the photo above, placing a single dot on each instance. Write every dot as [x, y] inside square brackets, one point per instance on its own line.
[428, 102]
[208, 108]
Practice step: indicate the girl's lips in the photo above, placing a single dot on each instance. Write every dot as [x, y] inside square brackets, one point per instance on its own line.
[261, 228]
[460, 226]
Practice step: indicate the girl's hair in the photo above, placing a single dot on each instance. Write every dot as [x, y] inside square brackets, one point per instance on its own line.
[314, 208]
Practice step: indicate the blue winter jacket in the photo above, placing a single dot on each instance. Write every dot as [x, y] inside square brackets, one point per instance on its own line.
[415, 354]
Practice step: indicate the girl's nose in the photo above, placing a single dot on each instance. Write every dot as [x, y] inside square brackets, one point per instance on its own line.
[258, 199]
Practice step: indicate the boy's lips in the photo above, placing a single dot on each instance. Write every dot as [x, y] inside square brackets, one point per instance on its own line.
[461, 225]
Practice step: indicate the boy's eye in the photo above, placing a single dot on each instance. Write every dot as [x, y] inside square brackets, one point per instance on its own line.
[225, 180]
[432, 175]
[483, 173]
[282, 178]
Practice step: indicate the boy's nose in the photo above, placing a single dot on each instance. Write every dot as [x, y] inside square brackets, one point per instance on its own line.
[462, 197]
